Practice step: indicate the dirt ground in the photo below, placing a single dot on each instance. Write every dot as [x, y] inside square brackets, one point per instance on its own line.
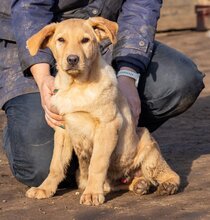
[184, 141]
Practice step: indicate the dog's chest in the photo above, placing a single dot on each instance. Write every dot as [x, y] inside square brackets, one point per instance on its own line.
[75, 100]
[77, 106]
[81, 128]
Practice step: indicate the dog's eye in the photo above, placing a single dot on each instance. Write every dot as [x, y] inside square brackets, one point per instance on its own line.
[85, 40]
[60, 39]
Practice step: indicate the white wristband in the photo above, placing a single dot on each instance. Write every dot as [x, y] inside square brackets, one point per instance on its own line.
[130, 74]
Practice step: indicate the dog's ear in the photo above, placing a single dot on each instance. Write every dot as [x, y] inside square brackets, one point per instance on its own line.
[104, 28]
[40, 40]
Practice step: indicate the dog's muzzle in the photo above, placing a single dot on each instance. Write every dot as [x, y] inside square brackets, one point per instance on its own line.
[73, 60]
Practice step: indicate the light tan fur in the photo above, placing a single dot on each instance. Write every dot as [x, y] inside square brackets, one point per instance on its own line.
[98, 122]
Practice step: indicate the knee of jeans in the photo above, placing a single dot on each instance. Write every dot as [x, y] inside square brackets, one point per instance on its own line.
[30, 176]
[181, 93]
[187, 87]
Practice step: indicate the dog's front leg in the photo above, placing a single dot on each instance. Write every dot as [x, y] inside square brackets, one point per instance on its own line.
[105, 141]
[61, 156]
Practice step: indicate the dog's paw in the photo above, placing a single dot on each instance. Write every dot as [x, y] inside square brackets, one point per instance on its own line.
[93, 199]
[140, 186]
[38, 193]
[167, 188]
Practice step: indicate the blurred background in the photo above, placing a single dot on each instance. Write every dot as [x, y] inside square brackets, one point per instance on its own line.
[187, 14]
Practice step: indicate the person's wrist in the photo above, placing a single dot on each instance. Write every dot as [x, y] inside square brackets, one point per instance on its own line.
[127, 73]
[126, 79]
[40, 72]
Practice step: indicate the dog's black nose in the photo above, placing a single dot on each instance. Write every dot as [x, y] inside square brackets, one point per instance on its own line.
[73, 59]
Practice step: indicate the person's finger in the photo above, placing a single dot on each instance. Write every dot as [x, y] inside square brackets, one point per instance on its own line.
[137, 120]
[136, 116]
[47, 101]
[49, 122]
[53, 115]
[53, 123]
[135, 109]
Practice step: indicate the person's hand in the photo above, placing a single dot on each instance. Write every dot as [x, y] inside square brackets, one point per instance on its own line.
[45, 83]
[129, 90]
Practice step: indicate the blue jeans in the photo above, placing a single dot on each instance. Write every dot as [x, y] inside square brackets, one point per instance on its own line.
[170, 86]
[28, 141]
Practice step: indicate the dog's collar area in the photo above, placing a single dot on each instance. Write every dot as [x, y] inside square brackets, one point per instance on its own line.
[55, 91]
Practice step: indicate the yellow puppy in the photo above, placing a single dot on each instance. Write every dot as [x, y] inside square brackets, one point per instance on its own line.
[98, 122]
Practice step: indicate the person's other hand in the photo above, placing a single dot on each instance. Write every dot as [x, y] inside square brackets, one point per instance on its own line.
[129, 90]
[45, 83]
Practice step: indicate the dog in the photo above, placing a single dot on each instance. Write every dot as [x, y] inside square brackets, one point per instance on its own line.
[99, 125]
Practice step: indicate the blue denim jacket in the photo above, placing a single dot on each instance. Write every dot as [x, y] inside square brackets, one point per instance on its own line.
[137, 21]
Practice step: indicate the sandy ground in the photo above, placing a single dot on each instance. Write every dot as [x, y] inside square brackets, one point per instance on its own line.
[184, 141]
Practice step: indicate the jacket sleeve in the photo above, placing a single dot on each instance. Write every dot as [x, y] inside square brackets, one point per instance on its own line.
[137, 26]
[28, 17]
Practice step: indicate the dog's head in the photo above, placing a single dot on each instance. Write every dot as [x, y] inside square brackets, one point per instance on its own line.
[74, 42]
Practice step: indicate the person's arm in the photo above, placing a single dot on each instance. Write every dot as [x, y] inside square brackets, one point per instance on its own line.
[128, 89]
[28, 17]
[137, 26]
[45, 83]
